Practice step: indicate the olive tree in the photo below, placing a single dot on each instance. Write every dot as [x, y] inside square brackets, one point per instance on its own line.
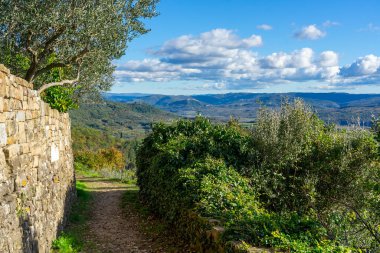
[69, 42]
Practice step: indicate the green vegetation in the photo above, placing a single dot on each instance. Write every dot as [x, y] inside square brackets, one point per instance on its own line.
[71, 241]
[125, 121]
[73, 41]
[291, 182]
[60, 98]
[376, 128]
[105, 137]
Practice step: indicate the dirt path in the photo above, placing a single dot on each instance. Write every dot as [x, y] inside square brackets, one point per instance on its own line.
[113, 229]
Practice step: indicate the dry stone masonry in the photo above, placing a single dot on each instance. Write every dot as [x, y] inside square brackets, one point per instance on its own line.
[36, 168]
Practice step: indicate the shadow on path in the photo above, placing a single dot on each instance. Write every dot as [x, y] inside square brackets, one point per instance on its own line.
[113, 229]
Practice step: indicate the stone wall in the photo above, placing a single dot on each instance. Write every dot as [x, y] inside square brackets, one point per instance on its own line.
[36, 168]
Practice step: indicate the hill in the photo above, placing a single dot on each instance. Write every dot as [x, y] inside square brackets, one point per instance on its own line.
[339, 108]
[123, 120]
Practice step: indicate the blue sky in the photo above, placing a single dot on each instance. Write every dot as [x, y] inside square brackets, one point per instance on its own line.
[219, 46]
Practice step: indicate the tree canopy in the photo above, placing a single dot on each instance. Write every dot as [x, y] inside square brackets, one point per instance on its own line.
[69, 42]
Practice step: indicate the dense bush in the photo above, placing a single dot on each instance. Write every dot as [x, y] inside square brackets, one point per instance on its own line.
[291, 182]
[60, 98]
[174, 148]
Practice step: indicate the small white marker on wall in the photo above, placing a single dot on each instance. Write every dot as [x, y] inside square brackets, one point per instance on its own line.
[54, 153]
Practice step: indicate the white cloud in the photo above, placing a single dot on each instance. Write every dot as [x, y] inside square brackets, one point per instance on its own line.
[215, 85]
[221, 60]
[328, 59]
[302, 58]
[310, 32]
[297, 59]
[264, 27]
[215, 43]
[363, 66]
[153, 70]
[329, 23]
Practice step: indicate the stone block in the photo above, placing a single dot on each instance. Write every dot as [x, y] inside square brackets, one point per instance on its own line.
[21, 82]
[21, 135]
[28, 115]
[11, 127]
[4, 69]
[6, 107]
[10, 115]
[12, 91]
[3, 134]
[19, 93]
[35, 161]
[15, 104]
[11, 151]
[20, 116]
[25, 148]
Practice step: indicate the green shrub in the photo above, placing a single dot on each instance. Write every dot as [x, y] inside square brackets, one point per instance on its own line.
[60, 98]
[170, 149]
[303, 166]
[288, 184]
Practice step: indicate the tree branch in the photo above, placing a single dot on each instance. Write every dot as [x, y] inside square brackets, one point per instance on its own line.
[50, 41]
[28, 47]
[53, 65]
[63, 82]
[80, 55]
[368, 226]
[33, 65]
[50, 67]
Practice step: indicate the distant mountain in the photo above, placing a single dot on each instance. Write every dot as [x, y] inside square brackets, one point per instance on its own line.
[126, 120]
[340, 108]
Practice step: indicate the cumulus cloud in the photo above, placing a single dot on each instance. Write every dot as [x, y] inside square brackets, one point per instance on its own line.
[364, 66]
[328, 59]
[222, 60]
[264, 27]
[152, 70]
[311, 32]
[297, 59]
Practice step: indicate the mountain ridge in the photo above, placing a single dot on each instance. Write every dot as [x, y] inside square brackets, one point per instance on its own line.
[340, 108]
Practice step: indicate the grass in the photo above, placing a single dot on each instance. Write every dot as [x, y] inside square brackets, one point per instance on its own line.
[123, 176]
[70, 241]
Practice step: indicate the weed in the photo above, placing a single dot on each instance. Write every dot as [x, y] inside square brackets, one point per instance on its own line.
[71, 241]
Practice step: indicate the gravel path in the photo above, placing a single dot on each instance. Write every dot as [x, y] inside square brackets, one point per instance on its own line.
[110, 228]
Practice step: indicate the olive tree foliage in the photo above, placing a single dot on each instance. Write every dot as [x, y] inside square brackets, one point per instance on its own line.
[69, 42]
[302, 165]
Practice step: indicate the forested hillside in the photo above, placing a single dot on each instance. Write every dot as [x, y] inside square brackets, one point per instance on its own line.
[106, 135]
[127, 121]
[338, 108]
